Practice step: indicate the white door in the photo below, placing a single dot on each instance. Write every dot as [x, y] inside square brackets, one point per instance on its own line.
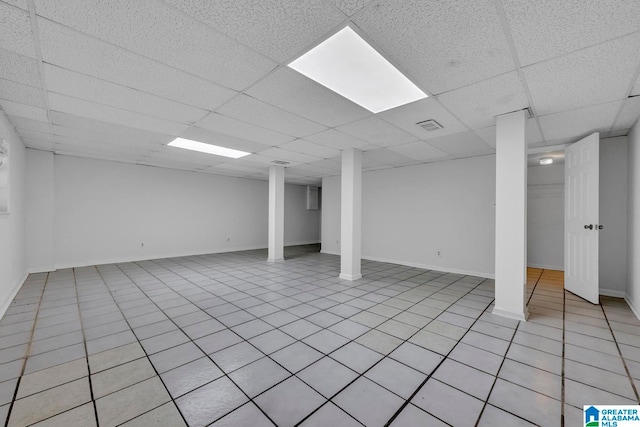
[581, 218]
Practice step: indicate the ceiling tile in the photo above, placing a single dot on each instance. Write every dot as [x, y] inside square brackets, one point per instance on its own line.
[22, 4]
[255, 160]
[99, 127]
[21, 93]
[306, 147]
[152, 29]
[533, 136]
[36, 135]
[293, 92]
[81, 86]
[406, 117]
[82, 108]
[238, 168]
[579, 123]
[460, 143]
[248, 109]
[420, 151]
[545, 29]
[349, 7]
[24, 123]
[598, 74]
[279, 29]
[288, 156]
[209, 137]
[332, 164]
[23, 110]
[121, 140]
[629, 115]
[377, 131]
[478, 105]
[15, 31]
[69, 49]
[338, 140]
[309, 170]
[83, 145]
[384, 157]
[19, 68]
[187, 157]
[230, 126]
[441, 44]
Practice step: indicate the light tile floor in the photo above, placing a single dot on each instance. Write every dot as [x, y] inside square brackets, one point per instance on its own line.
[231, 340]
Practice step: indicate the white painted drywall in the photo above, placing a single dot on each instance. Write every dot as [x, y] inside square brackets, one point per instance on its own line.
[613, 216]
[105, 211]
[13, 269]
[411, 213]
[40, 211]
[545, 217]
[301, 226]
[633, 219]
[330, 215]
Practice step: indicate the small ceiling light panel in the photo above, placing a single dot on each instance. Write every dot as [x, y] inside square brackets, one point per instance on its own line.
[349, 66]
[546, 161]
[207, 148]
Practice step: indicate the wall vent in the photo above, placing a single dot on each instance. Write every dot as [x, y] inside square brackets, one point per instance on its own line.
[279, 162]
[429, 125]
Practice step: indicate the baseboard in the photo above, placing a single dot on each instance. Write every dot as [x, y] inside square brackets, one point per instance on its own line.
[120, 260]
[612, 293]
[632, 307]
[322, 251]
[5, 304]
[432, 267]
[418, 265]
[34, 270]
[153, 256]
[301, 243]
[546, 266]
[511, 315]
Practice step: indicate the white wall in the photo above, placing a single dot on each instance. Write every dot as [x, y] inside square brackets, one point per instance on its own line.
[12, 225]
[613, 216]
[40, 211]
[301, 226]
[330, 230]
[633, 219]
[411, 213]
[545, 217]
[104, 211]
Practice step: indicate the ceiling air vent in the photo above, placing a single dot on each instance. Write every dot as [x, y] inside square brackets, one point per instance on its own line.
[279, 162]
[429, 125]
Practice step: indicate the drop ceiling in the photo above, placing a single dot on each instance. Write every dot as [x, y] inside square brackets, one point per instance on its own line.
[119, 79]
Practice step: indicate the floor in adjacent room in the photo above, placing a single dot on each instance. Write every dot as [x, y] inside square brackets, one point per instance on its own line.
[231, 340]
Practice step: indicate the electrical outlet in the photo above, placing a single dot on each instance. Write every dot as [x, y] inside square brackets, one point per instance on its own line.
[439, 253]
[142, 245]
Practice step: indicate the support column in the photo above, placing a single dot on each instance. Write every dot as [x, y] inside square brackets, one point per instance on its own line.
[351, 215]
[276, 214]
[511, 216]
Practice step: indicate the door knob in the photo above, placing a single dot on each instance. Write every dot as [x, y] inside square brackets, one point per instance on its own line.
[588, 227]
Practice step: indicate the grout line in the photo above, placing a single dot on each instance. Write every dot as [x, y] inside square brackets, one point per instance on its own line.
[624, 362]
[564, 349]
[86, 351]
[27, 351]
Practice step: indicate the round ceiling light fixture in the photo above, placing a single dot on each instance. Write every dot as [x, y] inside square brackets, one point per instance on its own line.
[546, 161]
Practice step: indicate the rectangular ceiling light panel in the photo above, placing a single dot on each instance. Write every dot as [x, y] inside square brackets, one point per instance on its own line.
[349, 66]
[207, 148]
